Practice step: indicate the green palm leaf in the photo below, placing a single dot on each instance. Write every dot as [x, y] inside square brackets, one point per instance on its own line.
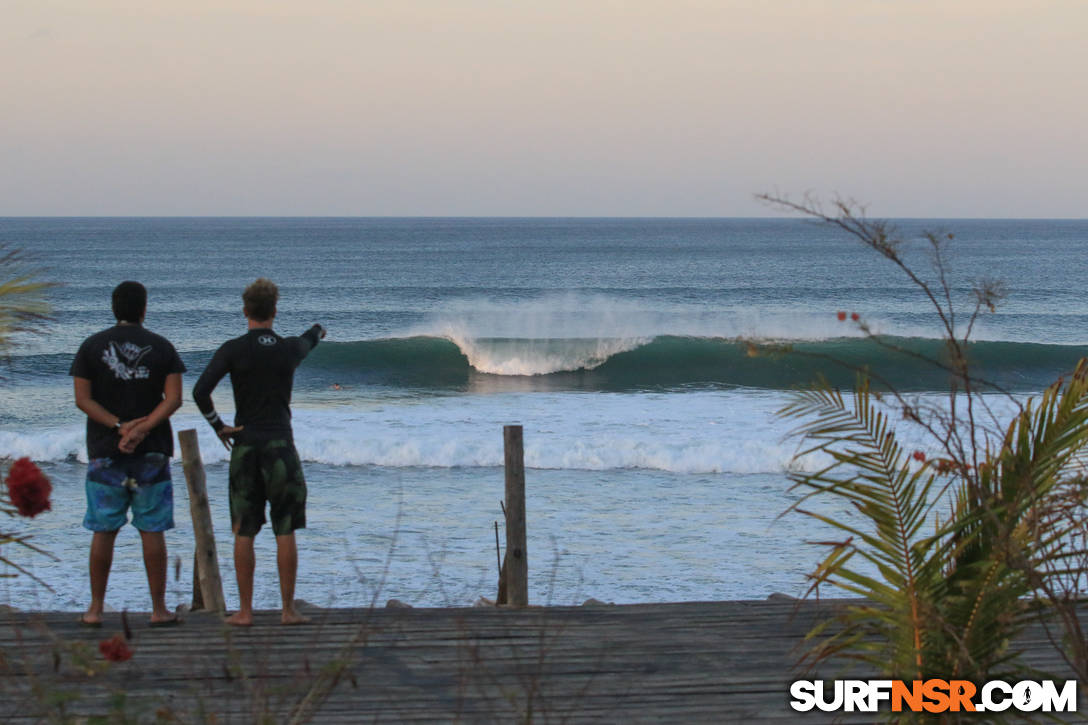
[23, 306]
[867, 470]
[947, 603]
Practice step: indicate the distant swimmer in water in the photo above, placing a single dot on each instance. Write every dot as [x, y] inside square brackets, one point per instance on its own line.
[337, 386]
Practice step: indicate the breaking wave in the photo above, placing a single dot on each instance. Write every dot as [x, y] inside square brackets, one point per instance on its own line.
[671, 361]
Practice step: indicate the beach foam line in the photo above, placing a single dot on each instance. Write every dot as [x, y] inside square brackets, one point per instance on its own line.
[437, 449]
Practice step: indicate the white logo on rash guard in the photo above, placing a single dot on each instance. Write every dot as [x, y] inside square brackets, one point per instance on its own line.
[123, 359]
[267, 339]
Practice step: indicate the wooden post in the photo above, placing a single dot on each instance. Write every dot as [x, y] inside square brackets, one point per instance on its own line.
[207, 563]
[517, 563]
[198, 596]
[500, 597]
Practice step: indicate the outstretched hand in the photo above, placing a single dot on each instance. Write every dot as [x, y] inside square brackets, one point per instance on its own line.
[227, 433]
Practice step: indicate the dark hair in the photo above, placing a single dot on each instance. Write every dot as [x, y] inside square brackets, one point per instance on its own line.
[260, 300]
[129, 302]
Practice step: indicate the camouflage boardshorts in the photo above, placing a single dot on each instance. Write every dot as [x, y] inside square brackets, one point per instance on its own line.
[266, 471]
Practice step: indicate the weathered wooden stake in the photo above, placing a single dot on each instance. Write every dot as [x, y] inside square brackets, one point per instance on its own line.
[500, 598]
[198, 597]
[206, 570]
[517, 562]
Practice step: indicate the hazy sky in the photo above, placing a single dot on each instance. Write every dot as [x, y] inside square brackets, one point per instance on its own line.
[541, 107]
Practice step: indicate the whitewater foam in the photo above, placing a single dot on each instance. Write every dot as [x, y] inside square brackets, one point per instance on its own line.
[733, 431]
[710, 432]
[536, 356]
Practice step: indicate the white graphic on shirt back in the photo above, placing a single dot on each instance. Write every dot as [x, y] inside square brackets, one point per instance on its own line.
[124, 360]
[267, 339]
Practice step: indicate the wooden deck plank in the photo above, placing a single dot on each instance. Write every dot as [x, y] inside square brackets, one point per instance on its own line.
[688, 662]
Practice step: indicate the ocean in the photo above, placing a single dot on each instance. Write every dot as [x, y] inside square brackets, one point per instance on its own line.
[655, 456]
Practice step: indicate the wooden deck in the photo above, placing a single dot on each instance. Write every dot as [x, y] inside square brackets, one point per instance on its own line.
[675, 663]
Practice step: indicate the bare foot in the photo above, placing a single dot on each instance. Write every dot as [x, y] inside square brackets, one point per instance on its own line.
[293, 617]
[162, 616]
[240, 619]
[91, 619]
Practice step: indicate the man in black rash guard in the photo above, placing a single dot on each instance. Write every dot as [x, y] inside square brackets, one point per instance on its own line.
[264, 466]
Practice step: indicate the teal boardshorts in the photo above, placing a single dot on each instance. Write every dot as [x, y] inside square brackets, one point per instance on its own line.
[266, 471]
[141, 483]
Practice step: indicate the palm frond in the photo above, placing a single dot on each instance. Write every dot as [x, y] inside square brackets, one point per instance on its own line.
[23, 304]
[1005, 501]
[867, 470]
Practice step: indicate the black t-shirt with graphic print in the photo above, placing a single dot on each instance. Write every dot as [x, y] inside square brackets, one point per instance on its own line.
[127, 366]
[261, 365]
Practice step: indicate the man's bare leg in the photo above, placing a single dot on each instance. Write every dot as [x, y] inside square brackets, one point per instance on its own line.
[287, 562]
[101, 559]
[244, 564]
[154, 543]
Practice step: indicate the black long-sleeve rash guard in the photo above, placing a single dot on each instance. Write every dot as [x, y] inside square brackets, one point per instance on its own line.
[262, 366]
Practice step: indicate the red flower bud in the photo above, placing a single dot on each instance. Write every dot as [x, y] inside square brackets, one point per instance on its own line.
[28, 488]
[919, 456]
[841, 315]
[854, 316]
[115, 649]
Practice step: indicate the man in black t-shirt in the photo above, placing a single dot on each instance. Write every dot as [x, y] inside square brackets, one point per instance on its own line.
[128, 382]
[264, 466]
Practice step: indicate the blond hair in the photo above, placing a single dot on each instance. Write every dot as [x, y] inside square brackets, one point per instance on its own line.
[260, 300]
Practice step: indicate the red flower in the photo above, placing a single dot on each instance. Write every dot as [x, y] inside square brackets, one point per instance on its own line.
[919, 456]
[28, 488]
[115, 649]
[841, 315]
[854, 316]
